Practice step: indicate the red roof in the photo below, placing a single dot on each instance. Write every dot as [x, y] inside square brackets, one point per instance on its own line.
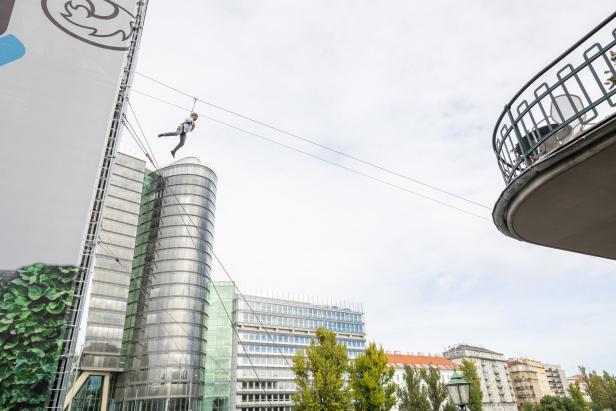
[420, 361]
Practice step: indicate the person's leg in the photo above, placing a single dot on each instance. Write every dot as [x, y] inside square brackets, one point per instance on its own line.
[180, 144]
[169, 134]
[177, 132]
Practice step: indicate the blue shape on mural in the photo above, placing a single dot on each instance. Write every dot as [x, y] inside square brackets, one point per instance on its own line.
[11, 49]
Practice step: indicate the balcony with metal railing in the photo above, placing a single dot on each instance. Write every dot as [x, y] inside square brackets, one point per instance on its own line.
[555, 145]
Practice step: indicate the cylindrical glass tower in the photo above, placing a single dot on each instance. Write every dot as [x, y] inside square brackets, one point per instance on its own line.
[165, 324]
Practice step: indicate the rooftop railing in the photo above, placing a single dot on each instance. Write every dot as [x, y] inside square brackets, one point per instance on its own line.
[560, 103]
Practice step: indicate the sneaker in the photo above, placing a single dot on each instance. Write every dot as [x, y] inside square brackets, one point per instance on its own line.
[173, 154]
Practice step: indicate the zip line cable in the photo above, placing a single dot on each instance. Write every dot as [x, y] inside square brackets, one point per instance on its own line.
[199, 230]
[317, 144]
[224, 269]
[361, 173]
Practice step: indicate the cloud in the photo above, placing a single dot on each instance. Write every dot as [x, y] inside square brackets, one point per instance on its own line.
[416, 87]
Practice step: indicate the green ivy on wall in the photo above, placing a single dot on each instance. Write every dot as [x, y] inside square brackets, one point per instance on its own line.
[33, 301]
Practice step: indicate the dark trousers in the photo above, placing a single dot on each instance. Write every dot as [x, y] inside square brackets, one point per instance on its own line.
[177, 132]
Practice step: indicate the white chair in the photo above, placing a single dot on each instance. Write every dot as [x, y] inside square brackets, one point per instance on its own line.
[563, 108]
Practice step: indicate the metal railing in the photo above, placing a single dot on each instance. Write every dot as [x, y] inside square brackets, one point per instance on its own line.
[560, 103]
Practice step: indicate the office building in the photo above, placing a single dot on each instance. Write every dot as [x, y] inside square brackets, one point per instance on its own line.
[269, 331]
[578, 380]
[144, 344]
[164, 332]
[557, 379]
[529, 380]
[492, 369]
[418, 362]
[113, 259]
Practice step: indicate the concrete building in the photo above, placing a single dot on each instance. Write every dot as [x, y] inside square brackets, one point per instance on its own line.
[272, 330]
[529, 380]
[557, 379]
[249, 368]
[492, 368]
[445, 367]
[579, 380]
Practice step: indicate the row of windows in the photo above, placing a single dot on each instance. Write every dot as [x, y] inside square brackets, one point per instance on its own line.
[267, 385]
[180, 192]
[182, 241]
[294, 322]
[128, 170]
[118, 227]
[177, 265]
[266, 397]
[106, 318]
[269, 349]
[186, 317]
[121, 192]
[107, 304]
[166, 330]
[263, 361]
[172, 254]
[265, 373]
[168, 303]
[99, 361]
[178, 175]
[296, 311]
[117, 239]
[193, 388]
[297, 339]
[115, 277]
[179, 216]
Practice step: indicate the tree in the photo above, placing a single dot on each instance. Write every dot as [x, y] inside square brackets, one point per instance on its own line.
[372, 381]
[435, 389]
[553, 403]
[469, 373]
[601, 388]
[319, 375]
[413, 395]
[577, 396]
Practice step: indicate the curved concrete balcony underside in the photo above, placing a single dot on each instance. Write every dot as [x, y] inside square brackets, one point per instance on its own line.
[568, 199]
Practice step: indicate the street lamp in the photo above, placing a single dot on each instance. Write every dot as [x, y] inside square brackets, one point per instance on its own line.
[459, 390]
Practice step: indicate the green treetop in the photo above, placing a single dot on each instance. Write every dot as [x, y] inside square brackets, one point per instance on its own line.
[372, 381]
[319, 375]
[413, 395]
[553, 403]
[436, 390]
[469, 373]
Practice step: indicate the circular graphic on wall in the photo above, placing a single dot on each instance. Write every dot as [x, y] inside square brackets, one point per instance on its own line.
[101, 23]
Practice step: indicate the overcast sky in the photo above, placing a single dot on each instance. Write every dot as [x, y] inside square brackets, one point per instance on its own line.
[416, 87]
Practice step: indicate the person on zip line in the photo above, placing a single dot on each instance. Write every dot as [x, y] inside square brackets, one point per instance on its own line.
[187, 126]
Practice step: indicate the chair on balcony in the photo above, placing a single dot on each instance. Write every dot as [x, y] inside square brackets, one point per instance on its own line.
[564, 107]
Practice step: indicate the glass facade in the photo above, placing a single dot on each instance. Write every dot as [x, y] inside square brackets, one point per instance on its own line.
[164, 332]
[112, 266]
[90, 395]
[219, 349]
[271, 331]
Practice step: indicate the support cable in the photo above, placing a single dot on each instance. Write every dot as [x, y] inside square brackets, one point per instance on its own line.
[379, 180]
[199, 230]
[317, 144]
